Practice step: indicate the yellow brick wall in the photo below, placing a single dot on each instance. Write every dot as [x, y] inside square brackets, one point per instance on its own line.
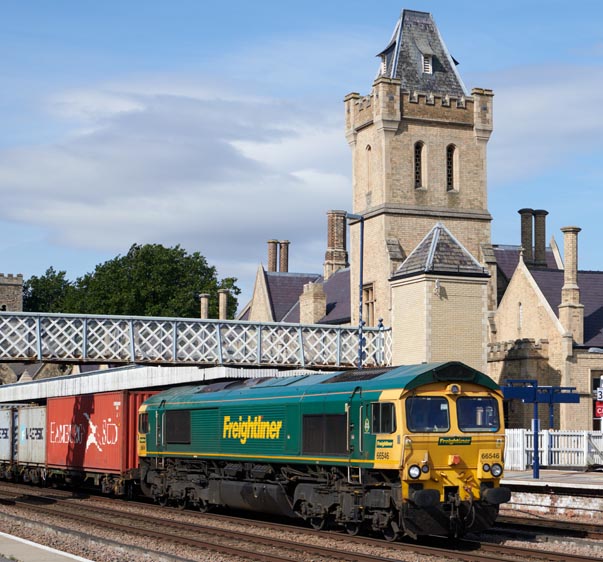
[409, 321]
[448, 324]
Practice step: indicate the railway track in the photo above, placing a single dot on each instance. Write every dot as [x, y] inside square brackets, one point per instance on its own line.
[556, 527]
[247, 542]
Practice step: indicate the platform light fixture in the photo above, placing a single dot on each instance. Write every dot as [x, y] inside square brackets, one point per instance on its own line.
[359, 218]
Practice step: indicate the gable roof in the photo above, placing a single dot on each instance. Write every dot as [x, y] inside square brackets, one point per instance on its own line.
[440, 252]
[550, 282]
[284, 290]
[337, 291]
[414, 36]
[507, 258]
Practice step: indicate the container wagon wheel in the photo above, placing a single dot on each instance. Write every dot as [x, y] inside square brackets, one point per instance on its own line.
[318, 523]
[203, 506]
[181, 503]
[353, 528]
[162, 500]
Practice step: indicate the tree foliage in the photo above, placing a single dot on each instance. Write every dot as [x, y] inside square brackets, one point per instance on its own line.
[48, 292]
[150, 280]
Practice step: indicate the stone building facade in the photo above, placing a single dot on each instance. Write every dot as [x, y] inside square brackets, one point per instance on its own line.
[11, 292]
[418, 142]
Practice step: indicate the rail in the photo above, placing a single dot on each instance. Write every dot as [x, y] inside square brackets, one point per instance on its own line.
[72, 338]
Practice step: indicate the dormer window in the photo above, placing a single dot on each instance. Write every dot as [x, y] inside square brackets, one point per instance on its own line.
[427, 64]
[383, 69]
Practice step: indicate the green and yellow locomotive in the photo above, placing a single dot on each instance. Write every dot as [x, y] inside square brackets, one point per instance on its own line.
[411, 450]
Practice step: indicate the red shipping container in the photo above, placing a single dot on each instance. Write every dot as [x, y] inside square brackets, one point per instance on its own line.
[94, 432]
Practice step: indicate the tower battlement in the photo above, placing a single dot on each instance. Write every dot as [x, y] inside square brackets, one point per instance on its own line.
[388, 102]
[10, 279]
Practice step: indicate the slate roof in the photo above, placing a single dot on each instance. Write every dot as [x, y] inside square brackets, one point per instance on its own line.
[507, 258]
[415, 35]
[284, 290]
[550, 282]
[337, 291]
[440, 253]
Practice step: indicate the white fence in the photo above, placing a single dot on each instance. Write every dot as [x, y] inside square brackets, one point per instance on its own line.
[557, 449]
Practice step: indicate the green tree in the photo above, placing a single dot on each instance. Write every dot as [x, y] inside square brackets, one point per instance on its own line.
[47, 293]
[150, 280]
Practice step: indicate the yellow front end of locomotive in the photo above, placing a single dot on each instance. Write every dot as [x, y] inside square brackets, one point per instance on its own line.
[453, 444]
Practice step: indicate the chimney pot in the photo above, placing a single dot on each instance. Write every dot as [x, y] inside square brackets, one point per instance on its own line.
[336, 256]
[272, 251]
[526, 234]
[284, 256]
[223, 303]
[204, 306]
[540, 237]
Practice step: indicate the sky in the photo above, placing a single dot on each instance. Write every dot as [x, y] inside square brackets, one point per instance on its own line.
[218, 126]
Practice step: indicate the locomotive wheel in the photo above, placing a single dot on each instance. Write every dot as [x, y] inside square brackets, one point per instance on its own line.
[203, 506]
[162, 500]
[181, 503]
[353, 528]
[390, 534]
[318, 523]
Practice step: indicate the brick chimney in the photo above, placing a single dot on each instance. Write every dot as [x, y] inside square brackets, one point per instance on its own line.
[540, 237]
[336, 256]
[223, 304]
[284, 256]
[526, 234]
[312, 303]
[571, 312]
[204, 306]
[272, 251]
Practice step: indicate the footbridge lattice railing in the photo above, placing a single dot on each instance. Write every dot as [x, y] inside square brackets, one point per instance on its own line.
[72, 338]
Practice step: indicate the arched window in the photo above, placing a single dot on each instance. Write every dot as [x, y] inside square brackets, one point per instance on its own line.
[451, 168]
[367, 152]
[419, 172]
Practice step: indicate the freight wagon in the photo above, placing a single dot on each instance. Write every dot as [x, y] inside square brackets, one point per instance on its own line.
[92, 437]
[22, 442]
[88, 438]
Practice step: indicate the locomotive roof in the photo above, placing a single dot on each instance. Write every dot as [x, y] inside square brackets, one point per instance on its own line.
[405, 377]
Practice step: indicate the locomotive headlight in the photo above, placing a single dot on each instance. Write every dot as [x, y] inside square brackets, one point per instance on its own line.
[425, 468]
[486, 467]
[414, 471]
[497, 470]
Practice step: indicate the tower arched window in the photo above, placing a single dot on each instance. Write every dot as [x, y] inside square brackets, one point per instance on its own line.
[419, 158]
[451, 168]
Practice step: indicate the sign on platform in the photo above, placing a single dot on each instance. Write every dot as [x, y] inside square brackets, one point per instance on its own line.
[600, 394]
[599, 409]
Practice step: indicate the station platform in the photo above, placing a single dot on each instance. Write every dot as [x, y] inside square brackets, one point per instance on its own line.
[558, 479]
[17, 549]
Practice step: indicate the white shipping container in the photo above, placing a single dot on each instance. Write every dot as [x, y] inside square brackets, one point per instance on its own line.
[6, 432]
[31, 435]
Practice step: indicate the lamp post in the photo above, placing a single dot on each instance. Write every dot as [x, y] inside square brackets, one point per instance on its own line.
[360, 218]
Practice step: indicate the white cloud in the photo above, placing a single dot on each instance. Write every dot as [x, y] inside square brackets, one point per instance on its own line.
[544, 117]
[218, 175]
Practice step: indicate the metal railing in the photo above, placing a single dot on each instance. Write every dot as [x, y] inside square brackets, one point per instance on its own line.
[568, 449]
[72, 338]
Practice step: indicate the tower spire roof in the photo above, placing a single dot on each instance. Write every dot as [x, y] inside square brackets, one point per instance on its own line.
[417, 55]
[440, 253]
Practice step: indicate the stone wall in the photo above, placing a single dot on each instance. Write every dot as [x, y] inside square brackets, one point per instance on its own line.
[11, 292]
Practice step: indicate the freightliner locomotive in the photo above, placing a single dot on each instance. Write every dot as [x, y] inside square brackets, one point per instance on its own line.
[411, 450]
